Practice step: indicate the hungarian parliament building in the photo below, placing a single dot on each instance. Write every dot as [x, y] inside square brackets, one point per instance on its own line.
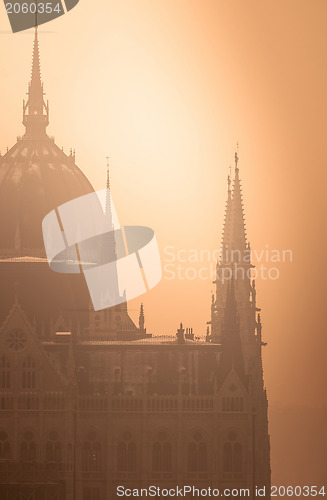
[89, 401]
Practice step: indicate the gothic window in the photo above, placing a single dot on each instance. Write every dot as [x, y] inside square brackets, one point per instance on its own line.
[232, 404]
[232, 455]
[161, 453]
[126, 454]
[28, 447]
[53, 451]
[197, 454]
[4, 373]
[29, 373]
[4, 446]
[91, 453]
[237, 457]
[227, 458]
[192, 457]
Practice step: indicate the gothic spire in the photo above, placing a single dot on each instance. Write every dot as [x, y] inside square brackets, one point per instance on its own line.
[35, 110]
[226, 239]
[141, 318]
[238, 237]
[108, 194]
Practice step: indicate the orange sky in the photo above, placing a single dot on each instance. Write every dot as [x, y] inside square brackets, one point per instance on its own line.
[167, 88]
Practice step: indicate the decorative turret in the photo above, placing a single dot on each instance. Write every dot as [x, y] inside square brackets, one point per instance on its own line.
[35, 110]
[141, 319]
[180, 334]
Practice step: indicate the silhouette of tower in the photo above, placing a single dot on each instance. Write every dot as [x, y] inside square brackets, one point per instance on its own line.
[35, 110]
[236, 325]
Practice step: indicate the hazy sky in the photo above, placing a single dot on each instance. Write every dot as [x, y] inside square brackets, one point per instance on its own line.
[167, 88]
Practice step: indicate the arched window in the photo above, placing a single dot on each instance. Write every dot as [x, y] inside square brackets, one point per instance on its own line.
[202, 457]
[232, 455]
[53, 451]
[227, 458]
[192, 457]
[156, 457]
[166, 457]
[28, 447]
[29, 374]
[4, 373]
[121, 457]
[91, 453]
[197, 454]
[4, 446]
[126, 454]
[237, 457]
[161, 453]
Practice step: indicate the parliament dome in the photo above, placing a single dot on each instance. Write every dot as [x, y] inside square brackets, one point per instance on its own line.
[36, 177]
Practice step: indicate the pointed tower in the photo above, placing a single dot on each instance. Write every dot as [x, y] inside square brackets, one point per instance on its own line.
[109, 240]
[35, 110]
[236, 325]
[141, 319]
[234, 264]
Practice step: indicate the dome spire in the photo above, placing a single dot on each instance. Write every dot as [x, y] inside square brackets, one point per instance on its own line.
[108, 194]
[108, 172]
[35, 110]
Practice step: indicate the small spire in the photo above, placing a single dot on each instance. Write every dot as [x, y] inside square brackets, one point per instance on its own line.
[34, 118]
[236, 158]
[108, 195]
[141, 318]
[108, 172]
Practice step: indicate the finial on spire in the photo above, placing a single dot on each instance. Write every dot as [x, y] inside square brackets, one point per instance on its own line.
[236, 156]
[236, 159]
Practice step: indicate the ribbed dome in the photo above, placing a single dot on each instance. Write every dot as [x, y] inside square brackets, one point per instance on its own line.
[35, 178]
[35, 175]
